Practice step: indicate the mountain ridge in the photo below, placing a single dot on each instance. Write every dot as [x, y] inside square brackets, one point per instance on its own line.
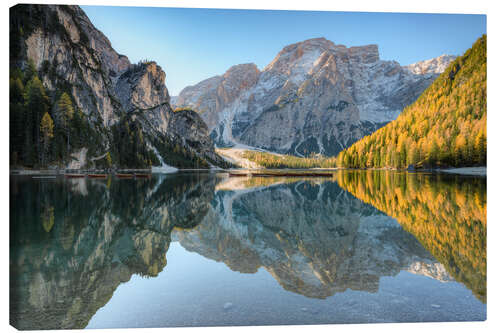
[315, 96]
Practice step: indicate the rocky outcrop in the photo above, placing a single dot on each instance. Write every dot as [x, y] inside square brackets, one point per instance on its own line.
[212, 96]
[144, 97]
[71, 55]
[314, 97]
[67, 50]
[142, 86]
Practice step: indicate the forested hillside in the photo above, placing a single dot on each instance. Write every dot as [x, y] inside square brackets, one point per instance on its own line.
[277, 161]
[44, 126]
[445, 127]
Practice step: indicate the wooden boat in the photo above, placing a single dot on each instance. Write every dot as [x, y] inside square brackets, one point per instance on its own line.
[237, 174]
[74, 175]
[97, 175]
[142, 175]
[125, 175]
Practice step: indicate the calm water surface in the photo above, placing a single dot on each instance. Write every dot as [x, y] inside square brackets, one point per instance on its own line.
[199, 249]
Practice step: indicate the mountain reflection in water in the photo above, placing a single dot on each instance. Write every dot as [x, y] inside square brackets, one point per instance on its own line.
[74, 241]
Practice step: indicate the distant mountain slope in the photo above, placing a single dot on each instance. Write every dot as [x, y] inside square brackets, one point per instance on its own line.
[434, 65]
[314, 97]
[446, 126]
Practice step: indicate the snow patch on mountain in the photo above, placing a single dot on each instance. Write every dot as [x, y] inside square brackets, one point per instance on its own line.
[431, 66]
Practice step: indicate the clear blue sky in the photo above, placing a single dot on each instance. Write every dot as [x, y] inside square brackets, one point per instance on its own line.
[194, 44]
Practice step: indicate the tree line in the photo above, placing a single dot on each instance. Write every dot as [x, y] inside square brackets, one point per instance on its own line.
[276, 161]
[44, 126]
[47, 126]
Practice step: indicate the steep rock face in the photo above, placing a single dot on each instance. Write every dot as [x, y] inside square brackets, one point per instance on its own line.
[144, 97]
[67, 49]
[193, 131]
[314, 97]
[141, 87]
[71, 55]
[213, 95]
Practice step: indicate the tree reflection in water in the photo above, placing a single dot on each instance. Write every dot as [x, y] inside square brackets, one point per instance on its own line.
[446, 213]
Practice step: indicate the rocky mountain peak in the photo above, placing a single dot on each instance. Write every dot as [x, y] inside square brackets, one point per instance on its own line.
[314, 97]
[219, 91]
[241, 69]
[431, 66]
[142, 86]
[364, 54]
[238, 78]
[306, 45]
[315, 43]
[299, 55]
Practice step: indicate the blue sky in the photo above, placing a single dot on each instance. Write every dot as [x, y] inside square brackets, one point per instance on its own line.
[194, 44]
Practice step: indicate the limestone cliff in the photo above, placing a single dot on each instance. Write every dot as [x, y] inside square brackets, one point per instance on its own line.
[71, 55]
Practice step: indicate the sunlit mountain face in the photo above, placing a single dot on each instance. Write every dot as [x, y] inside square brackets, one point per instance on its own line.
[73, 242]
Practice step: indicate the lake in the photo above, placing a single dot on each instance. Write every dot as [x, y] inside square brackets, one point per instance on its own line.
[204, 249]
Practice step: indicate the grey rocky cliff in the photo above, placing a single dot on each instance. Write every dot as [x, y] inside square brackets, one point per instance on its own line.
[219, 92]
[143, 95]
[314, 97]
[142, 86]
[71, 55]
[71, 51]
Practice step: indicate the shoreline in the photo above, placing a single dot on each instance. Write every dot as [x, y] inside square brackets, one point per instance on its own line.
[62, 172]
[466, 171]
[469, 171]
